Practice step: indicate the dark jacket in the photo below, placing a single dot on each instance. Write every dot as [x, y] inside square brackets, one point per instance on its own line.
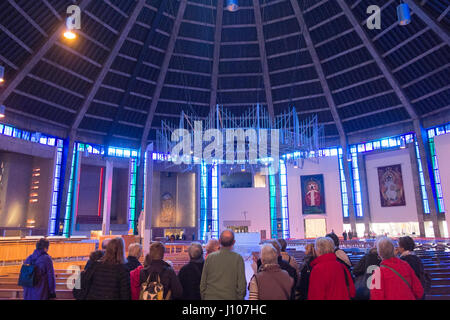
[416, 264]
[109, 282]
[369, 259]
[44, 287]
[94, 257]
[132, 263]
[303, 283]
[360, 271]
[167, 276]
[190, 276]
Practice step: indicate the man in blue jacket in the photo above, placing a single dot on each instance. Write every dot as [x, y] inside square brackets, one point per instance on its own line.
[44, 282]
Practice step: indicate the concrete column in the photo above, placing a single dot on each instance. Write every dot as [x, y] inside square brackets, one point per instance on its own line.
[417, 189]
[425, 159]
[147, 237]
[107, 198]
[348, 182]
[364, 191]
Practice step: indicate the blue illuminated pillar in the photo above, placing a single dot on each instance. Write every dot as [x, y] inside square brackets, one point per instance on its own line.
[209, 201]
[72, 193]
[58, 182]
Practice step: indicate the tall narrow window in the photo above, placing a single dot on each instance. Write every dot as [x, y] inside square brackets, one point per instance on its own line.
[284, 200]
[434, 161]
[426, 205]
[344, 194]
[71, 194]
[55, 191]
[356, 182]
[132, 195]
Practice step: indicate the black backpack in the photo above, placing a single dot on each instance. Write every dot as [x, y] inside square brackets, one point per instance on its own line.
[85, 278]
[27, 277]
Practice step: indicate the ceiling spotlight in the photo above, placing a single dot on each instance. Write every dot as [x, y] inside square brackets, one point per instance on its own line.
[403, 14]
[69, 34]
[2, 74]
[232, 5]
[2, 111]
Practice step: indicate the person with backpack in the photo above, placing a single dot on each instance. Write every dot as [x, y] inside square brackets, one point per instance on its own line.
[287, 257]
[395, 279]
[158, 280]
[37, 275]
[109, 278]
[405, 248]
[362, 272]
[191, 273]
[305, 272]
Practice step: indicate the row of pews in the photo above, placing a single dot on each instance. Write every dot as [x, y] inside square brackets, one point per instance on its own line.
[66, 253]
[436, 262]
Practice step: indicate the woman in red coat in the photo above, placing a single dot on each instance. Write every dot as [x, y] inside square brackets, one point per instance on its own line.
[329, 279]
[395, 279]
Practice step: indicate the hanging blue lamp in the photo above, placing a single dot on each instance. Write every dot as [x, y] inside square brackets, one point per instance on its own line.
[232, 5]
[403, 14]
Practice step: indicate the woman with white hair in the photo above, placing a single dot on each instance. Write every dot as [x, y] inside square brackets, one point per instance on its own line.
[395, 279]
[271, 282]
[329, 279]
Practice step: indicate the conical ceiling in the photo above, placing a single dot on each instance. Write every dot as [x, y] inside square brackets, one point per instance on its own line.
[136, 63]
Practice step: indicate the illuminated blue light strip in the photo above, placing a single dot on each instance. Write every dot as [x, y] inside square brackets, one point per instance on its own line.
[284, 200]
[53, 226]
[215, 202]
[426, 205]
[132, 196]
[437, 177]
[67, 229]
[203, 201]
[344, 194]
[273, 204]
[356, 183]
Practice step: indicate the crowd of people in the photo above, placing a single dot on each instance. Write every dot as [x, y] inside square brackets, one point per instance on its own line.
[386, 272]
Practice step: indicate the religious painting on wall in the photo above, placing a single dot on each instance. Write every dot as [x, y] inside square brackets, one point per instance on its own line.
[167, 208]
[392, 193]
[313, 194]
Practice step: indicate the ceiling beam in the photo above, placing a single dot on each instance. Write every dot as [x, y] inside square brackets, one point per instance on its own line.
[107, 65]
[163, 72]
[27, 17]
[438, 29]
[318, 66]
[35, 58]
[216, 57]
[263, 54]
[379, 61]
[137, 68]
